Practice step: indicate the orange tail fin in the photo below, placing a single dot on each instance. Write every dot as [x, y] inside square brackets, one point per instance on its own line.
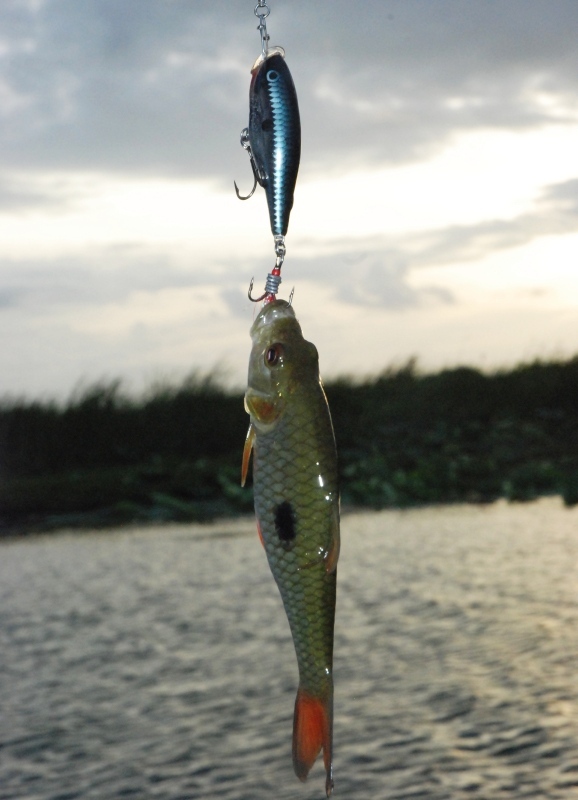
[312, 731]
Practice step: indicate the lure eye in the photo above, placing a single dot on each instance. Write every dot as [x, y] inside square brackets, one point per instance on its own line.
[273, 355]
[267, 125]
[272, 76]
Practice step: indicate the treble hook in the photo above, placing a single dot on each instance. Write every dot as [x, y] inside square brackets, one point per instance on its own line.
[250, 296]
[251, 193]
[273, 278]
[258, 175]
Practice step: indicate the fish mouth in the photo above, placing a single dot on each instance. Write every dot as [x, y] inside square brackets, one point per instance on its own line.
[263, 408]
[271, 314]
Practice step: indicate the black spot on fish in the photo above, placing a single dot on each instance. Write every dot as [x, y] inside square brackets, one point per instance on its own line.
[285, 524]
[267, 125]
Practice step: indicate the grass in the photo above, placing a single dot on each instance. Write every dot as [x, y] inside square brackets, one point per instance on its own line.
[404, 438]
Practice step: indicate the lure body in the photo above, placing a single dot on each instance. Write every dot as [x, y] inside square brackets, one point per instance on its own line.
[297, 509]
[275, 135]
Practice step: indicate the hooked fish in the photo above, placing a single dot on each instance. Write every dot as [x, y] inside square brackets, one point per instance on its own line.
[297, 509]
[273, 138]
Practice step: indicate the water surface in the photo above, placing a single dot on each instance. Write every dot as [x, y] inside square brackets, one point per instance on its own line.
[157, 663]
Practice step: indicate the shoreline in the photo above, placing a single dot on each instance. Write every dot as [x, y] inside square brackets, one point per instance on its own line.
[104, 520]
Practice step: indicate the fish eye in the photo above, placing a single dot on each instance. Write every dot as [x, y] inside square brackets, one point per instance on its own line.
[273, 355]
[272, 75]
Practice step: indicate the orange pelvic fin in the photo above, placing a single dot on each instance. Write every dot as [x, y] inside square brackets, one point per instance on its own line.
[260, 532]
[312, 731]
[247, 452]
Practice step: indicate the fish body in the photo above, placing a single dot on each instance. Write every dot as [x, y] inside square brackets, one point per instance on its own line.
[275, 135]
[297, 509]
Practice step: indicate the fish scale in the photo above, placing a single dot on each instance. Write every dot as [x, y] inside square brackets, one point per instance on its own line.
[297, 509]
[300, 573]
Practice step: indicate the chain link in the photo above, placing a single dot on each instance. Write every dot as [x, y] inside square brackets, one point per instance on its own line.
[263, 5]
[262, 11]
[280, 249]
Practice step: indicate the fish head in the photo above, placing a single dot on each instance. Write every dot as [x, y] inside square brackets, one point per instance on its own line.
[282, 362]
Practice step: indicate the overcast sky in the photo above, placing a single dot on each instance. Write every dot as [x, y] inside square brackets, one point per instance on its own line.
[435, 211]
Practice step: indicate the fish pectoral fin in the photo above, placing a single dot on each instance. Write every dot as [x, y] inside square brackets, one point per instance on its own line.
[333, 552]
[251, 433]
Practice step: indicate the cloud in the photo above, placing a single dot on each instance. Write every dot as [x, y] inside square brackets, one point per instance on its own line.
[555, 213]
[100, 100]
[117, 86]
[18, 194]
[383, 281]
[8, 298]
[107, 274]
[376, 273]
[161, 87]
[377, 278]
[235, 301]
[384, 264]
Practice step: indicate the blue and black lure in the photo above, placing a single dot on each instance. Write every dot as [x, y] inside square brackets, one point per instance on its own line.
[273, 141]
[273, 137]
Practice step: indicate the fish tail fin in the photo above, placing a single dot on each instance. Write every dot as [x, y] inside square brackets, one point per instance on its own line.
[312, 732]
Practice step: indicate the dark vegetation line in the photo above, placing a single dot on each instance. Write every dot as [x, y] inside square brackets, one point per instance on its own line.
[404, 439]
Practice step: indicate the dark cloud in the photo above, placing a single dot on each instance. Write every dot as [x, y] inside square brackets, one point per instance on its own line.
[106, 275]
[378, 277]
[107, 85]
[383, 281]
[17, 194]
[235, 301]
[161, 86]
[8, 298]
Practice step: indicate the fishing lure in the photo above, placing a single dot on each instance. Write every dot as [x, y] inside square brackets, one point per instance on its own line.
[273, 138]
[297, 509]
[273, 142]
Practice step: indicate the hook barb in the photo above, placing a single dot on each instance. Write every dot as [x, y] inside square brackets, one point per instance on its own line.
[250, 296]
[251, 193]
[259, 176]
